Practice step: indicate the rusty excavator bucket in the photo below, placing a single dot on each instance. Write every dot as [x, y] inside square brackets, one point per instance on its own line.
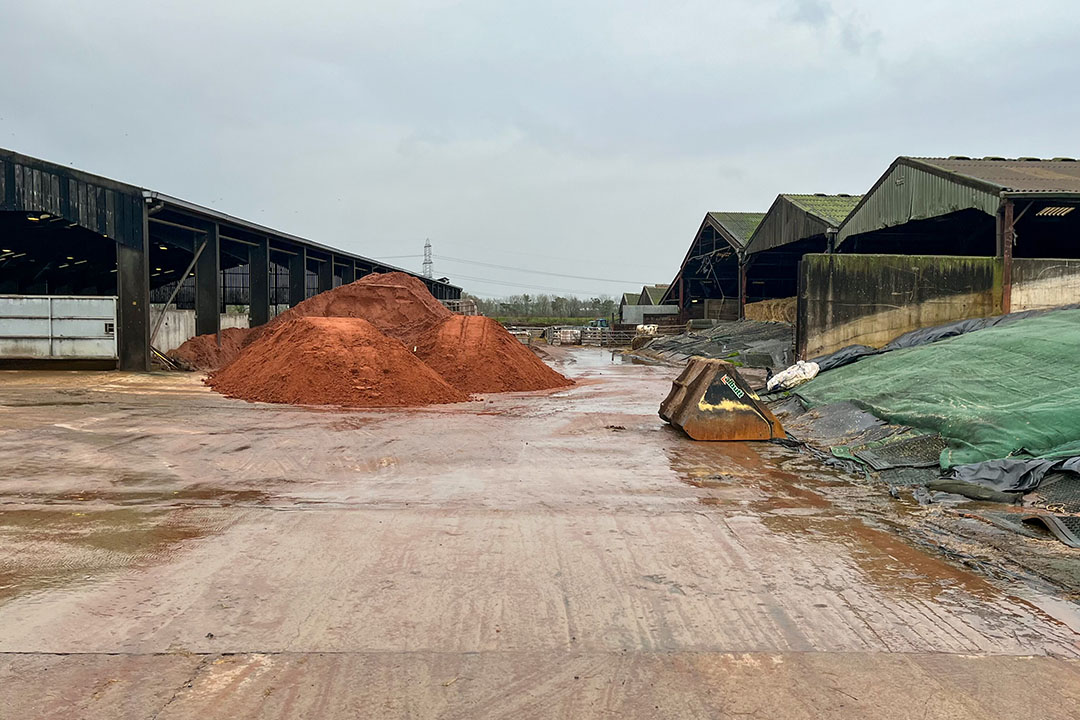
[711, 401]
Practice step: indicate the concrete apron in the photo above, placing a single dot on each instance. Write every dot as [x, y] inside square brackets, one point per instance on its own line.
[166, 552]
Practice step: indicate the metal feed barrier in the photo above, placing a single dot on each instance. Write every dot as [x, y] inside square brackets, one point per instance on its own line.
[460, 307]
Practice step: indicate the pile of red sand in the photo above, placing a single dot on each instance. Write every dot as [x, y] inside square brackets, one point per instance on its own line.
[475, 354]
[381, 341]
[202, 352]
[331, 361]
[398, 304]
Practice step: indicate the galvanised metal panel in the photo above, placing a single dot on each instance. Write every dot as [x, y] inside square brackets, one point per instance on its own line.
[785, 223]
[116, 210]
[909, 193]
[58, 326]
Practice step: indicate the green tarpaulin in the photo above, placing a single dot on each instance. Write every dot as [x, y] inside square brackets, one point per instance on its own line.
[1007, 391]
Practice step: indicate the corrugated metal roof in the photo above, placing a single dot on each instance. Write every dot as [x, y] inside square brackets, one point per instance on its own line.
[923, 188]
[832, 209]
[739, 225]
[734, 228]
[911, 190]
[1017, 175]
[654, 293]
[44, 195]
[794, 217]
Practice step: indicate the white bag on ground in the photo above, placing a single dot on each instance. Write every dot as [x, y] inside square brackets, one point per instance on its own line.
[794, 376]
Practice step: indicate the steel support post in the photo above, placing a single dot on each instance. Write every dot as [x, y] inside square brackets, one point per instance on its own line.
[259, 283]
[208, 285]
[326, 275]
[133, 292]
[298, 277]
[742, 289]
[348, 272]
[1007, 240]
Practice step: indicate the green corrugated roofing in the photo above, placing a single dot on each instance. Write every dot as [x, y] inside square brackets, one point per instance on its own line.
[655, 293]
[740, 225]
[630, 298]
[830, 208]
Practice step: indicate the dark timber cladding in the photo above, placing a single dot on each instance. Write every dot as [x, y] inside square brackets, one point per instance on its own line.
[67, 232]
[707, 284]
[970, 206]
[794, 226]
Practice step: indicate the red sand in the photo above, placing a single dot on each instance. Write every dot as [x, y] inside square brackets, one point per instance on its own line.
[398, 304]
[331, 361]
[354, 346]
[477, 355]
[202, 352]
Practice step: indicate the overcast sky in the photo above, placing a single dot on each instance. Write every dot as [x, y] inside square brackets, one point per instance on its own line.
[573, 137]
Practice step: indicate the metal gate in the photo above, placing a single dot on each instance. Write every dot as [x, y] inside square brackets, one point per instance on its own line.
[57, 326]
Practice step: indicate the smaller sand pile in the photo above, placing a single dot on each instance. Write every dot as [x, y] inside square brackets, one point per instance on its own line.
[331, 361]
[202, 352]
[475, 354]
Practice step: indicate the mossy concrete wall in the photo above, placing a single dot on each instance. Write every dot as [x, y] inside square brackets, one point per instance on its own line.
[872, 299]
[1040, 283]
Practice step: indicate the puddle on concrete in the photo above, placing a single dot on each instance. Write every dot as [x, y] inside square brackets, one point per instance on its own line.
[195, 494]
[598, 358]
[758, 479]
[805, 504]
[882, 558]
[737, 471]
[213, 495]
[45, 548]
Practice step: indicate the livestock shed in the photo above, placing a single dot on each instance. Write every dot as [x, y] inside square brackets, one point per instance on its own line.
[646, 306]
[991, 206]
[652, 294]
[707, 284]
[68, 234]
[794, 226]
[958, 206]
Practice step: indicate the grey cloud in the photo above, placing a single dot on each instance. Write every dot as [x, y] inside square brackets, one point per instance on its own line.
[809, 12]
[524, 134]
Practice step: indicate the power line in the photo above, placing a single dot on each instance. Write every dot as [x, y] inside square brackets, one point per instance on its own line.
[519, 269]
[503, 251]
[539, 272]
[516, 285]
[513, 252]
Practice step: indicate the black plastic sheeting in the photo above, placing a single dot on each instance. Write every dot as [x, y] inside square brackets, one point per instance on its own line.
[925, 336]
[1013, 475]
[751, 343]
[844, 356]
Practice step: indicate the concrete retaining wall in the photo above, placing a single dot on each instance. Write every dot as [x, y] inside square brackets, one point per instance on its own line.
[179, 326]
[872, 299]
[637, 314]
[1040, 283]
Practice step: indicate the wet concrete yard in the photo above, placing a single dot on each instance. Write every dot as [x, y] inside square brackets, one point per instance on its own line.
[166, 552]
